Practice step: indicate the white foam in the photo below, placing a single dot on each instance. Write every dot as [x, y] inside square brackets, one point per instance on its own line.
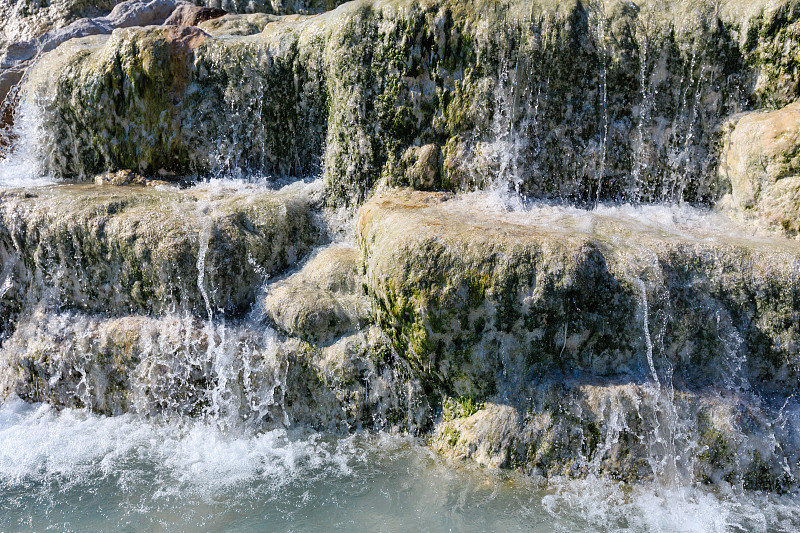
[598, 504]
[71, 470]
[676, 219]
[22, 166]
[38, 443]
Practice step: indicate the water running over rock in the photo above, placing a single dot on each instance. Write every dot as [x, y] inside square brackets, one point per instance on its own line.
[519, 254]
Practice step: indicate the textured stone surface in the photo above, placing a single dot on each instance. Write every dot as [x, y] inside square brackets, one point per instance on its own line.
[126, 177]
[186, 15]
[619, 102]
[177, 364]
[123, 15]
[482, 302]
[761, 158]
[324, 300]
[28, 19]
[628, 432]
[238, 24]
[25, 19]
[76, 360]
[118, 250]
[273, 7]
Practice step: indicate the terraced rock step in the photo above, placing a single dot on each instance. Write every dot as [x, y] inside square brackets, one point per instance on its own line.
[118, 250]
[236, 372]
[484, 302]
[565, 99]
[629, 432]
[324, 300]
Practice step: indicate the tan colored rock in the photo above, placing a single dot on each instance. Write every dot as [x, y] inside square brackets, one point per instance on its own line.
[128, 177]
[424, 169]
[488, 436]
[127, 249]
[322, 301]
[237, 24]
[761, 159]
[628, 432]
[353, 383]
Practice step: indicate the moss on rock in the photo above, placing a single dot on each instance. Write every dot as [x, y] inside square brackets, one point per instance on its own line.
[118, 250]
[628, 432]
[560, 99]
[480, 303]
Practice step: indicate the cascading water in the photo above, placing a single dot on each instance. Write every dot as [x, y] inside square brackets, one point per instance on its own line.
[235, 350]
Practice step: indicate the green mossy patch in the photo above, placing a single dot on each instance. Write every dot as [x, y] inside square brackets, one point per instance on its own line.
[581, 89]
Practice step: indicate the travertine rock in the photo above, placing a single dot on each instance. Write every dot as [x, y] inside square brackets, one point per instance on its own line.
[324, 300]
[123, 249]
[481, 302]
[761, 158]
[559, 100]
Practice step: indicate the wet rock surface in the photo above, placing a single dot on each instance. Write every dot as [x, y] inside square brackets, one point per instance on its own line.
[619, 103]
[574, 427]
[481, 304]
[125, 249]
[238, 24]
[569, 336]
[185, 15]
[761, 158]
[179, 365]
[324, 300]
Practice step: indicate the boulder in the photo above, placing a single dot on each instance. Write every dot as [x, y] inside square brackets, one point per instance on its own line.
[761, 159]
[488, 436]
[322, 301]
[419, 168]
[127, 177]
[124, 15]
[26, 20]
[481, 301]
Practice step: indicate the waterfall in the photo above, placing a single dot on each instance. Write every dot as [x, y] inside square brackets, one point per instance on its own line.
[646, 330]
[302, 263]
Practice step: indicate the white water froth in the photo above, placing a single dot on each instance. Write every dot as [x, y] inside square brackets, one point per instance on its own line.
[41, 444]
[22, 166]
[70, 470]
[680, 220]
[601, 505]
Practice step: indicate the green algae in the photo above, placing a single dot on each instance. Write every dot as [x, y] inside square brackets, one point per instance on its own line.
[350, 92]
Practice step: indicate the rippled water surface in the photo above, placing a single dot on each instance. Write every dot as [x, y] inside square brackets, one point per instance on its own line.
[72, 471]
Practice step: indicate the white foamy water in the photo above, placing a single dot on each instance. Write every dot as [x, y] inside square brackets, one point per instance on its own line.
[679, 220]
[73, 471]
[22, 165]
[20, 171]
